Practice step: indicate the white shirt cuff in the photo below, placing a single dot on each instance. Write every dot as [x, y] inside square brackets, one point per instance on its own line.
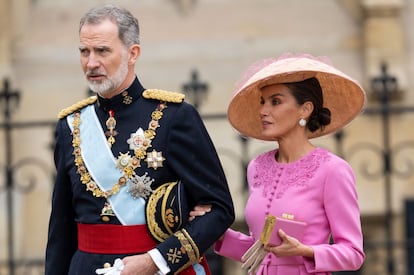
[159, 262]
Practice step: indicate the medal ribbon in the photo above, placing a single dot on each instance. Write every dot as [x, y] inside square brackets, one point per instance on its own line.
[101, 164]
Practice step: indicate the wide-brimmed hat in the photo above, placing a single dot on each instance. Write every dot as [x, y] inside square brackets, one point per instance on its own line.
[342, 95]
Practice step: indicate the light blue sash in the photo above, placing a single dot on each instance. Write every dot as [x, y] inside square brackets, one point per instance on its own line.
[101, 164]
[199, 269]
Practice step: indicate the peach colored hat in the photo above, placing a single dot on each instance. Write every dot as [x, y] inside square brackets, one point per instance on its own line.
[342, 95]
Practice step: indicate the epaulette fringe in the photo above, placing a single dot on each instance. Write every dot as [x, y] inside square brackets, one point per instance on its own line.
[77, 106]
[163, 95]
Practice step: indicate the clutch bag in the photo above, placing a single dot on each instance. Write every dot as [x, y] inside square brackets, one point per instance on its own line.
[287, 223]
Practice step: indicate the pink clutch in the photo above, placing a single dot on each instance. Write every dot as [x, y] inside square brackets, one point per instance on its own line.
[272, 225]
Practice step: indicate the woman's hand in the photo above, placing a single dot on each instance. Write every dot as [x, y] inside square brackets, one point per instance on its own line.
[290, 246]
[199, 210]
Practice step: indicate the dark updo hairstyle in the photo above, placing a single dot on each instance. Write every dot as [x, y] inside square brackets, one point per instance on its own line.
[310, 90]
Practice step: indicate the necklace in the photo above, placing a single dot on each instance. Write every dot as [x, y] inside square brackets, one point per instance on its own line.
[140, 186]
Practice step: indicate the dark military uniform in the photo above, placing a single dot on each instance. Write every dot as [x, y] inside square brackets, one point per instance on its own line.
[185, 153]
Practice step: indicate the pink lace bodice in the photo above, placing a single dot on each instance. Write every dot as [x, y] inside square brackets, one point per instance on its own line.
[267, 171]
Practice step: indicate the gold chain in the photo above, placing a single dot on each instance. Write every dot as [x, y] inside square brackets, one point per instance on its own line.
[86, 178]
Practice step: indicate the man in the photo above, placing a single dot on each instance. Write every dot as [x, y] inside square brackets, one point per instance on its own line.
[130, 163]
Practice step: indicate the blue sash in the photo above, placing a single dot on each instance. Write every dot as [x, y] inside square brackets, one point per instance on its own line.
[101, 164]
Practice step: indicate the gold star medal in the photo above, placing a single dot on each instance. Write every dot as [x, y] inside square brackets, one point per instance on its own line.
[127, 164]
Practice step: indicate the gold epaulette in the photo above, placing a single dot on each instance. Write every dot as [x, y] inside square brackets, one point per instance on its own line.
[164, 95]
[77, 106]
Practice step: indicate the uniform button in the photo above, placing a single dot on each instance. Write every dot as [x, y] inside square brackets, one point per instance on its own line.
[105, 218]
[106, 265]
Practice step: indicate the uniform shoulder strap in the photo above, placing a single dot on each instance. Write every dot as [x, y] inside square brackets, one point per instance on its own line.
[77, 106]
[163, 95]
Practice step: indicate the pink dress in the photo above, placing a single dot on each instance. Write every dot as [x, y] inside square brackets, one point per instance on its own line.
[318, 189]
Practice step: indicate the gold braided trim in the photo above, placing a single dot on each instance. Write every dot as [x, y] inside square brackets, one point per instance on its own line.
[153, 226]
[190, 247]
[186, 245]
[165, 209]
[77, 106]
[191, 241]
[163, 95]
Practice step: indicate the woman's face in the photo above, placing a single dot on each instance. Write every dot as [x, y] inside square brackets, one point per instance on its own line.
[280, 112]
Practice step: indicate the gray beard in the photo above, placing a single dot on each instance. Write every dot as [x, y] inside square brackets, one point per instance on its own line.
[111, 83]
[101, 88]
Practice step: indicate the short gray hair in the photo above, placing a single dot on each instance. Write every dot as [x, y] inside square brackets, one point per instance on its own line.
[128, 27]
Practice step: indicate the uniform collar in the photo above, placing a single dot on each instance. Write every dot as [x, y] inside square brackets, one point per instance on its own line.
[123, 99]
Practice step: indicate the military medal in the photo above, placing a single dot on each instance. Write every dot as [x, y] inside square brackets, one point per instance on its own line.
[110, 124]
[154, 159]
[139, 142]
[106, 212]
[127, 164]
[140, 186]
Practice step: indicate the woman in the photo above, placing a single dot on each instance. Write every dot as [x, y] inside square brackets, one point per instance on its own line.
[291, 100]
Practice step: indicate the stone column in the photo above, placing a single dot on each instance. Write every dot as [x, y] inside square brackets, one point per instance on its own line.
[384, 40]
[5, 34]
[13, 22]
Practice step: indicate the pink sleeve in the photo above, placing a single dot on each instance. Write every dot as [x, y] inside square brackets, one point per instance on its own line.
[342, 210]
[233, 245]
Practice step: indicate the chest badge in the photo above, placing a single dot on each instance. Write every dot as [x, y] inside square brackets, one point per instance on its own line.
[140, 186]
[154, 159]
[139, 142]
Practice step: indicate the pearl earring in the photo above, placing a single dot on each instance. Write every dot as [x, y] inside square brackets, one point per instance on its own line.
[302, 122]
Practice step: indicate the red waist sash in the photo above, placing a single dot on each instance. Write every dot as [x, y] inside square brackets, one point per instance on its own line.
[121, 239]
[114, 239]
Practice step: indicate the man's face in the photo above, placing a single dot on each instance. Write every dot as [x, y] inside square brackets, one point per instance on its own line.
[104, 58]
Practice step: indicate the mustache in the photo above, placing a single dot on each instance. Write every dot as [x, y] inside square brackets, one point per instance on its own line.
[94, 73]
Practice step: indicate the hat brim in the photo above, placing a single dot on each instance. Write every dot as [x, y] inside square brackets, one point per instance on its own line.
[342, 95]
